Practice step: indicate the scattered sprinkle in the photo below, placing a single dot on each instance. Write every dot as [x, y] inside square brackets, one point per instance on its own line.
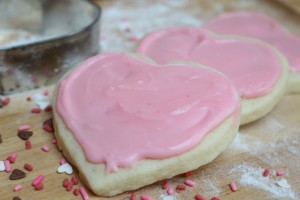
[7, 166]
[215, 198]
[6, 101]
[28, 167]
[189, 182]
[146, 197]
[69, 186]
[39, 186]
[65, 168]
[266, 173]
[46, 92]
[62, 161]
[76, 192]
[45, 148]
[54, 141]
[10, 159]
[199, 197]
[17, 187]
[65, 182]
[83, 193]
[180, 187]
[25, 135]
[48, 108]
[27, 144]
[48, 125]
[170, 191]
[14, 155]
[188, 174]
[165, 185]
[133, 196]
[233, 186]
[28, 98]
[2, 166]
[38, 180]
[17, 174]
[280, 173]
[74, 180]
[24, 127]
[35, 110]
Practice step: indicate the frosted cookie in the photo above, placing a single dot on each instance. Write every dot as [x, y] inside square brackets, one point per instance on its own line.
[126, 123]
[258, 71]
[266, 29]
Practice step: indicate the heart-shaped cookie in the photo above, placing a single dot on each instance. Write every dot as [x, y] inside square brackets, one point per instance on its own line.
[258, 70]
[118, 118]
[264, 28]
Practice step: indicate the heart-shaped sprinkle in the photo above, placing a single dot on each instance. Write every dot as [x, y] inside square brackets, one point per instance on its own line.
[17, 174]
[65, 168]
[25, 135]
[2, 166]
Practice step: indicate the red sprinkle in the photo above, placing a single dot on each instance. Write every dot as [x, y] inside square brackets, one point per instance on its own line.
[279, 173]
[28, 144]
[70, 186]
[76, 192]
[188, 174]
[215, 198]
[145, 197]
[48, 108]
[165, 185]
[28, 167]
[233, 186]
[180, 187]
[6, 101]
[10, 159]
[65, 182]
[28, 98]
[74, 180]
[199, 197]
[266, 173]
[46, 92]
[133, 197]
[35, 110]
[39, 186]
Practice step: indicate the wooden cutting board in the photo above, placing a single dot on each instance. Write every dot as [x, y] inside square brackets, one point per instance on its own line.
[272, 142]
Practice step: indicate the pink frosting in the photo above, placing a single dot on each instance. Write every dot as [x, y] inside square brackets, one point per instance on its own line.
[261, 27]
[254, 68]
[122, 110]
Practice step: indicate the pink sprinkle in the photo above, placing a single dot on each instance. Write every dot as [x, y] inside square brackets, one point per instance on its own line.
[17, 187]
[7, 166]
[46, 92]
[84, 194]
[38, 180]
[14, 155]
[62, 161]
[233, 186]
[279, 173]
[133, 39]
[145, 197]
[189, 183]
[54, 141]
[45, 148]
[24, 127]
[6, 101]
[170, 191]
[133, 196]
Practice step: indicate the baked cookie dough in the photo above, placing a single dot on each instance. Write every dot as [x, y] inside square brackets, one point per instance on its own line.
[262, 27]
[126, 123]
[258, 70]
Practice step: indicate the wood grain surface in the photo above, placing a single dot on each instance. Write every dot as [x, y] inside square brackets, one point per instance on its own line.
[272, 142]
